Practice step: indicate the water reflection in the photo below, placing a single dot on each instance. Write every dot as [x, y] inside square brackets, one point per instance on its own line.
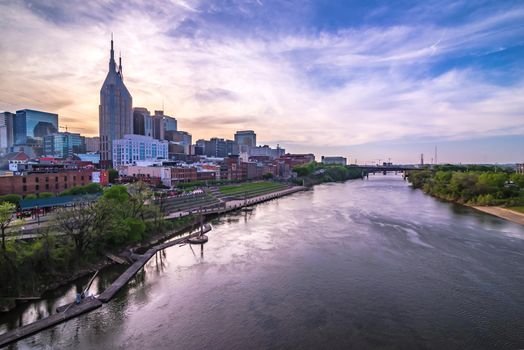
[363, 264]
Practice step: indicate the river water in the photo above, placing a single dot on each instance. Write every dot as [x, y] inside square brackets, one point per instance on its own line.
[362, 264]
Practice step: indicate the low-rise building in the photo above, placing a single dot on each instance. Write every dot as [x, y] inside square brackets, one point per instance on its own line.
[183, 174]
[520, 168]
[297, 159]
[35, 183]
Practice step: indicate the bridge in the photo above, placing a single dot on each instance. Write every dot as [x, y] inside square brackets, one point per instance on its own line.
[385, 168]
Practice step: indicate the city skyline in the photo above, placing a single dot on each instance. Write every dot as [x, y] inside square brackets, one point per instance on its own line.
[364, 82]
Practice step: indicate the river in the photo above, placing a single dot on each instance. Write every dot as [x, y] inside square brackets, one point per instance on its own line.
[361, 264]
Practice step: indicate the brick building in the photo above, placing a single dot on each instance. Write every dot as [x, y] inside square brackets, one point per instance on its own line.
[183, 175]
[44, 182]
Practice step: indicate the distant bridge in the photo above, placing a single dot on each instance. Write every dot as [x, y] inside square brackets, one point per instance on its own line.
[384, 168]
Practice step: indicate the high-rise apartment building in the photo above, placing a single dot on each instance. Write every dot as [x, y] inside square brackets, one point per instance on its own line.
[30, 126]
[7, 137]
[133, 148]
[92, 144]
[161, 124]
[142, 122]
[246, 137]
[115, 110]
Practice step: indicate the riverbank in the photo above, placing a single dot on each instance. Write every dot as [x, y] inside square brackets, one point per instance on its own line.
[154, 246]
[503, 213]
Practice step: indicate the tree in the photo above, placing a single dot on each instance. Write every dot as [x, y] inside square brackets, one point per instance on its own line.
[83, 223]
[267, 176]
[6, 216]
[30, 196]
[12, 198]
[45, 195]
[113, 175]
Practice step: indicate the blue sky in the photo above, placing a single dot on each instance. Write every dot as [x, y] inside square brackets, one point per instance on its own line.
[365, 79]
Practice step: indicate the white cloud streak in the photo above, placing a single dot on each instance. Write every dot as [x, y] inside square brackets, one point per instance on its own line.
[335, 89]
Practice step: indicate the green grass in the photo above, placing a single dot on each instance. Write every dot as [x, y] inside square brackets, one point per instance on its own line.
[250, 189]
[519, 209]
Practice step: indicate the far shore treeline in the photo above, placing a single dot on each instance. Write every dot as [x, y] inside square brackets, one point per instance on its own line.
[472, 185]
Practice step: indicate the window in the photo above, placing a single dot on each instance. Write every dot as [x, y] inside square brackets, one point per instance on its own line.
[56, 186]
[24, 188]
[74, 177]
[24, 180]
[82, 177]
[65, 185]
[46, 179]
[37, 187]
[37, 179]
[65, 178]
[56, 178]
[90, 178]
[46, 186]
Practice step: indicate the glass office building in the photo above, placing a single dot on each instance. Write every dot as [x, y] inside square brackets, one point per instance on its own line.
[64, 144]
[31, 126]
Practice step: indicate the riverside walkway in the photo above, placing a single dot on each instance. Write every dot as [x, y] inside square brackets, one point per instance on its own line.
[232, 205]
[92, 303]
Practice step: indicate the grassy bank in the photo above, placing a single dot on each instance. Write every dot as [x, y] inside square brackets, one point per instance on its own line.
[251, 189]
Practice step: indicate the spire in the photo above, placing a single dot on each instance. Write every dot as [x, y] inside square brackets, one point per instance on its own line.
[120, 65]
[112, 64]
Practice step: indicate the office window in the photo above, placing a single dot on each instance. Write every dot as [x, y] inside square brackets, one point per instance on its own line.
[24, 180]
[82, 177]
[74, 177]
[24, 188]
[46, 179]
[37, 187]
[46, 186]
[37, 180]
[56, 178]
[65, 178]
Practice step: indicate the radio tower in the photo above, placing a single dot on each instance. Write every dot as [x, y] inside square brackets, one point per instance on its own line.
[436, 155]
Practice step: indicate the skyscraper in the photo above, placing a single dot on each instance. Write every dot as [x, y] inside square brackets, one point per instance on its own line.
[31, 126]
[64, 144]
[245, 139]
[6, 130]
[115, 110]
[142, 122]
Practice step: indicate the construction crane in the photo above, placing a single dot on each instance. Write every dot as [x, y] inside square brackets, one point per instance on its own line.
[63, 127]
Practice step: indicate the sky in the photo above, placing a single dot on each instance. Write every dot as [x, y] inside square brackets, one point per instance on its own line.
[368, 80]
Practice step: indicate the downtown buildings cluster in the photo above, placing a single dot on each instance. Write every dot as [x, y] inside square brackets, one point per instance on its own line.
[37, 156]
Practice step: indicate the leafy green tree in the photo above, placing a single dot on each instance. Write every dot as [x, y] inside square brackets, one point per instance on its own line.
[267, 176]
[30, 196]
[11, 198]
[83, 223]
[45, 195]
[113, 175]
[6, 216]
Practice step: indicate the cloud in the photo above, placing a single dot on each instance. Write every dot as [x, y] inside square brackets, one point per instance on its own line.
[217, 73]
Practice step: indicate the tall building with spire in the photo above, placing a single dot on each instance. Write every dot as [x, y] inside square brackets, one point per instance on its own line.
[115, 110]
